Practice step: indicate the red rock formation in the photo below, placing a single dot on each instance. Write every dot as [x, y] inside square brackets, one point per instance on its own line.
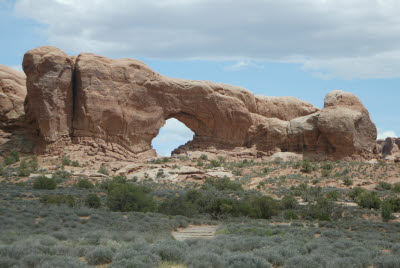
[120, 105]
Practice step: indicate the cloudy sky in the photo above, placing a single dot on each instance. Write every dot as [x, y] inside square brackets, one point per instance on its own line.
[302, 48]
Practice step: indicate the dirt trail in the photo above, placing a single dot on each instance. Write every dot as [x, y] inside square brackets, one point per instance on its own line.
[195, 231]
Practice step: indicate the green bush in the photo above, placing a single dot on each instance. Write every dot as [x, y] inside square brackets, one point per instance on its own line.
[290, 215]
[263, 207]
[368, 200]
[85, 184]
[103, 170]
[203, 157]
[58, 199]
[127, 197]
[222, 184]
[394, 203]
[99, 255]
[23, 169]
[288, 202]
[333, 195]
[42, 182]
[93, 200]
[215, 163]
[307, 167]
[34, 163]
[12, 158]
[66, 161]
[356, 191]
[75, 164]
[386, 211]
[383, 185]
[347, 181]
[326, 172]
[396, 187]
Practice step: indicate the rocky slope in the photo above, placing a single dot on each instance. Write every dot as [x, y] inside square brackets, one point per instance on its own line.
[118, 107]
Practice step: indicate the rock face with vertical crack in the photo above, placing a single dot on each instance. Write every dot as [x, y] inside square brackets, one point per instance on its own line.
[122, 104]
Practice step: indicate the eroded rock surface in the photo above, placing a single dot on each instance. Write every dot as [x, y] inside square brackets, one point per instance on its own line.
[120, 105]
[12, 96]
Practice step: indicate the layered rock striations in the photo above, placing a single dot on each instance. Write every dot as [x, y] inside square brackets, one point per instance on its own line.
[122, 104]
[12, 97]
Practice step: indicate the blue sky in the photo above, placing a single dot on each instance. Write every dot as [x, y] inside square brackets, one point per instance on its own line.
[302, 48]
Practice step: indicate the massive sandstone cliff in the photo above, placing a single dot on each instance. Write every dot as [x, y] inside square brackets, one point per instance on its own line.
[120, 105]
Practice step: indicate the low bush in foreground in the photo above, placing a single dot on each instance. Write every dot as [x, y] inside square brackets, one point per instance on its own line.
[42, 182]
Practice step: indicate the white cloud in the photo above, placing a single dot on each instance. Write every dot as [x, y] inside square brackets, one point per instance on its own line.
[171, 135]
[331, 38]
[383, 134]
[243, 64]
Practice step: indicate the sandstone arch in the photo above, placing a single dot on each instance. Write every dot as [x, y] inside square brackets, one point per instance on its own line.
[123, 103]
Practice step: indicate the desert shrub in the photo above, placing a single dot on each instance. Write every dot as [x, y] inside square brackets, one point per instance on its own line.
[221, 207]
[85, 184]
[170, 250]
[327, 166]
[143, 261]
[394, 203]
[23, 169]
[61, 262]
[103, 170]
[222, 184]
[307, 167]
[368, 200]
[32, 260]
[386, 211]
[386, 261]
[33, 163]
[356, 191]
[246, 260]
[301, 262]
[58, 199]
[203, 157]
[93, 200]
[383, 185]
[99, 255]
[290, 215]
[215, 163]
[347, 181]
[20, 183]
[396, 187]
[204, 259]
[12, 158]
[127, 197]
[200, 162]
[66, 161]
[61, 175]
[333, 195]
[75, 163]
[263, 207]
[42, 182]
[185, 205]
[326, 172]
[288, 202]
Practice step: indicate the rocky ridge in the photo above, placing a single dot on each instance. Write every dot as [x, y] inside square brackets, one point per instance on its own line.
[116, 107]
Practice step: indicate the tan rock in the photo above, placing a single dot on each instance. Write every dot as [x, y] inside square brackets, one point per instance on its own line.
[49, 104]
[118, 106]
[346, 124]
[12, 96]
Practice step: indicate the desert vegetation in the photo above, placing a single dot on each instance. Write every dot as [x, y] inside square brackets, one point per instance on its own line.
[269, 214]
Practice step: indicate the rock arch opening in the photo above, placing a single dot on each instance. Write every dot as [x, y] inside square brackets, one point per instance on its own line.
[173, 134]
